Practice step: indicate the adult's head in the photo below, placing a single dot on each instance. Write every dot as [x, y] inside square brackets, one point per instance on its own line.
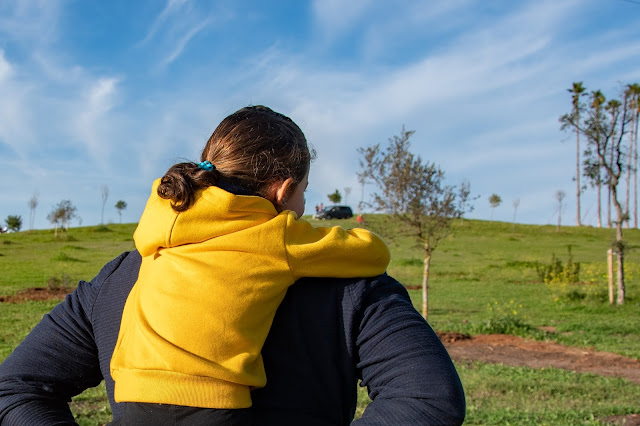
[257, 149]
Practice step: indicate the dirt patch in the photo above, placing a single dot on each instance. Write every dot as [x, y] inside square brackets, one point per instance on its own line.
[519, 352]
[516, 351]
[37, 293]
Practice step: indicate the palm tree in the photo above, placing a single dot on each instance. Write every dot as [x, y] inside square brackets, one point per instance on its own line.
[597, 100]
[634, 90]
[577, 90]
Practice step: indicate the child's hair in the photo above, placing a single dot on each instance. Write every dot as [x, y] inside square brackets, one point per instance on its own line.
[252, 148]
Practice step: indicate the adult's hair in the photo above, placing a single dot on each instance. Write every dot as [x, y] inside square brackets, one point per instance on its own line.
[253, 148]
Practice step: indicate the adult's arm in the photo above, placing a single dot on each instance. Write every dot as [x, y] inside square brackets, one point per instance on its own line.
[408, 372]
[56, 361]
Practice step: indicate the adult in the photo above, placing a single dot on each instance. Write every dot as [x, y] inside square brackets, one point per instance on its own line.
[327, 335]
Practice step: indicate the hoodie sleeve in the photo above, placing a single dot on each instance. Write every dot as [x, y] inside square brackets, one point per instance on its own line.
[333, 252]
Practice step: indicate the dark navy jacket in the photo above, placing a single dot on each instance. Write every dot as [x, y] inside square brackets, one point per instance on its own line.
[327, 335]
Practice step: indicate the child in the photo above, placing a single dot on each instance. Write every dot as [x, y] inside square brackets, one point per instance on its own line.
[221, 242]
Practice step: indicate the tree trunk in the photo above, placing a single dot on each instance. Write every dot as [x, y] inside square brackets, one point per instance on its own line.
[425, 281]
[635, 174]
[628, 199]
[578, 174]
[619, 250]
[609, 206]
[599, 205]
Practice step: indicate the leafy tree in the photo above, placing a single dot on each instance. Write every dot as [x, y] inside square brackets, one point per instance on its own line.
[61, 215]
[413, 193]
[571, 120]
[335, 197]
[120, 206]
[33, 203]
[606, 136]
[494, 201]
[104, 192]
[14, 223]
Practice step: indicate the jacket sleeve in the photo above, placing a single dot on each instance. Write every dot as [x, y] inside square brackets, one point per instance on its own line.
[56, 361]
[408, 372]
[333, 251]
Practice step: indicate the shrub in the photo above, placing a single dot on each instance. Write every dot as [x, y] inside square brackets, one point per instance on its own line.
[558, 273]
[507, 318]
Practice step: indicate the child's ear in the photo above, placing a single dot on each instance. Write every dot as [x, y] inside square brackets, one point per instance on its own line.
[280, 193]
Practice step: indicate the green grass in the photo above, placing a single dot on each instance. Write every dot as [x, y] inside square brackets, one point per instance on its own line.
[479, 276]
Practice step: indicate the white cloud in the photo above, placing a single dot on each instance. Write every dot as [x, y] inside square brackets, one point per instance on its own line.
[334, 17]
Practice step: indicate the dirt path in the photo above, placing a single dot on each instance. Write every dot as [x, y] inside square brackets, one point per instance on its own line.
[516, 351]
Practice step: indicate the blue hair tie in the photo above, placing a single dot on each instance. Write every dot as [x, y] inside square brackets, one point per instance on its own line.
[206, 165]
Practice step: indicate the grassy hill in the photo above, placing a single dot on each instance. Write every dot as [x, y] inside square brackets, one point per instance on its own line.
[483, 278]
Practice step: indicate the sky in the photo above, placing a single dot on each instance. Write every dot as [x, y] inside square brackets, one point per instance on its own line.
[112, 93]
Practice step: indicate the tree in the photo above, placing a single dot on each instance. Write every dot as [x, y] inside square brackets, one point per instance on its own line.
[335, 197]
[104, 192]
[576, 90]
[634, 109]
[560, 195]
[464, 198]
[494, 201]
[33, 203]
[606, 135]
[61, 215]
[516, 204]
[120, 206]
[592, 164]
[347, 191]
[14, 223]
[414, 196]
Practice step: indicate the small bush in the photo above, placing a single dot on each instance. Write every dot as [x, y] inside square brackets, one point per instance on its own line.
[410, 262]
[507, 318]
[63, 257]
[557, 273]
[102, 228]
[55, 283]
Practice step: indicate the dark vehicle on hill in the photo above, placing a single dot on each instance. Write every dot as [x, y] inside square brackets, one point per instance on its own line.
[334, 212]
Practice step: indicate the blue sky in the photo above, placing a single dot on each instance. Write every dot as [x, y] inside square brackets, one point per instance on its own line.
[96, 93]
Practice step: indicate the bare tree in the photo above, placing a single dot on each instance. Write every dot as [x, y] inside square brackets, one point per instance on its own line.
[560, 195]
[465, 199]
[414, 195]
[104, 192]
[33, 203]
[347, 192]
[516, 204]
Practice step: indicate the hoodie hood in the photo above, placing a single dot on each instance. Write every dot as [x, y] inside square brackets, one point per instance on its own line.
[214, 212]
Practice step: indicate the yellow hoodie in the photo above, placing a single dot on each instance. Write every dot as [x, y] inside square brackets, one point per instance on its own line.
[210, 282]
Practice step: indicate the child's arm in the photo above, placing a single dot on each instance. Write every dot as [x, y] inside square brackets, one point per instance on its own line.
[333, 252]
